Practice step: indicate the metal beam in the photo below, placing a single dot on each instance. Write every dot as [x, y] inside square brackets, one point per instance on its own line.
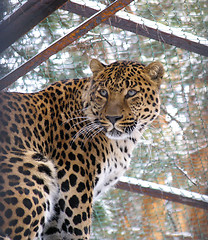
[31, 13]
[163, 192]
[145, 27]
[58, 45]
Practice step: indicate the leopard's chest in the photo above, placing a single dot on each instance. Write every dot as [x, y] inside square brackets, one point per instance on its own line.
[116, 163]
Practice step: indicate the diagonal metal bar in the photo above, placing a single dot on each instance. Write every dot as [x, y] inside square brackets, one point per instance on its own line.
[14, 26]
[144, 27]
[61, 43]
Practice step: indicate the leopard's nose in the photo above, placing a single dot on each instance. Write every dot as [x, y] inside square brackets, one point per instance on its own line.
[114, 119]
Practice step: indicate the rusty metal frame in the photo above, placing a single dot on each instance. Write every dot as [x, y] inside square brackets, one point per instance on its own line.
[152, 32]
[26, 17]
[61, 43]
[34, 11]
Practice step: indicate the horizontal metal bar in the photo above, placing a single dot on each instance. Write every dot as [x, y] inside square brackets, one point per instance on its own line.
[144, 27]
[58, 45]
[31, 13]
[163, 192]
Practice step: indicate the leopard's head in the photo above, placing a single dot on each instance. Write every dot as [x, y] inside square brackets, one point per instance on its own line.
[123, 97]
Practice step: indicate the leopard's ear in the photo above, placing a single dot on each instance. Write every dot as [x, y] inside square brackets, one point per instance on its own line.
[155, 70]
[96, 66]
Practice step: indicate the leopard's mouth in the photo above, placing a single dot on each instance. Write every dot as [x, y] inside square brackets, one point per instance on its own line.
[117, 135]
[115, 132]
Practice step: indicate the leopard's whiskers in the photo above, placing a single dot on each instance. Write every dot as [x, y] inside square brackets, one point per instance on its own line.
[86, 130]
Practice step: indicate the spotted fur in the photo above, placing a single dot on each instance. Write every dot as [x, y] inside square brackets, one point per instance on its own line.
[62, 147]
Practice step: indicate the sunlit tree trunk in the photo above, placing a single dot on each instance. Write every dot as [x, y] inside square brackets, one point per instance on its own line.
[153, 216]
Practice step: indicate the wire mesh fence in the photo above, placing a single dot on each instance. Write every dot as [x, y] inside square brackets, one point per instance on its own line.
[173, 151]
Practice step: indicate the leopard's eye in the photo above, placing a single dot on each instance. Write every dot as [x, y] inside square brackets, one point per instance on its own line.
[103, 93]
[131, 93]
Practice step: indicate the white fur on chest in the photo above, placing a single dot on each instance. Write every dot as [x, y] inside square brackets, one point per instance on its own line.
[116, 164]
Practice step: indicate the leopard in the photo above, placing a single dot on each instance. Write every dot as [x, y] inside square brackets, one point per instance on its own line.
[63, 147]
